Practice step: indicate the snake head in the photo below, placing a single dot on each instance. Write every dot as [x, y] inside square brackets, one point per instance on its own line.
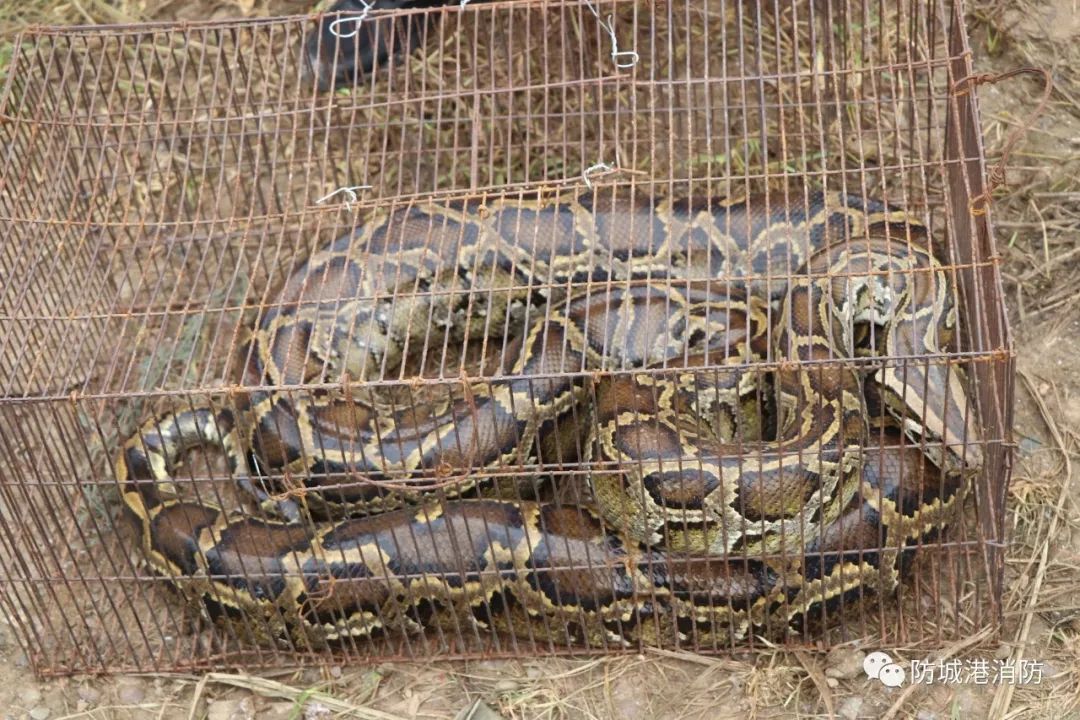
[932, 404]
[354, 341]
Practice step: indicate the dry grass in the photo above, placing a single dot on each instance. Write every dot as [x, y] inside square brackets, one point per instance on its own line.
[1038, 223]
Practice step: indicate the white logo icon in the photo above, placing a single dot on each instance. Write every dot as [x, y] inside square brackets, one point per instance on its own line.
[892, 675]
[880, 666]
[873, 663]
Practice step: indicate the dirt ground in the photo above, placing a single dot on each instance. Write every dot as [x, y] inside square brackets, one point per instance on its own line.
[1037, 219]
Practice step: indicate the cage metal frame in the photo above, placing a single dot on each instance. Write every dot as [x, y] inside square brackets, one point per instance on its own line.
[66, 180]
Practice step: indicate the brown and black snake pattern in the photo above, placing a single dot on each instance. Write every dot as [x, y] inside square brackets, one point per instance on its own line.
[624, 283]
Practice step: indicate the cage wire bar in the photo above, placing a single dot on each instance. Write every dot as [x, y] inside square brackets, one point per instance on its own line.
[160, 183]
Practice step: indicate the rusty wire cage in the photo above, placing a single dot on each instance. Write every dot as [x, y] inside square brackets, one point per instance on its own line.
[159, 183]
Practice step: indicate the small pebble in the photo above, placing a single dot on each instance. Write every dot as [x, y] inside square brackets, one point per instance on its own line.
[55, 697]
[278, 711]
[40, 713]
[1051, 672]
[335, 671]
[630, 696]
[506, 686]
[850, 708]
[844, 662]
[493, 667]
[1003, 652]
[744, 656]
[832, 682]
[30, 695]
[926, 715]
[130, 693]
[231, 710]
[479, 710]
[970, 701]
[89, 695]
[316, 711]
[1029, 445]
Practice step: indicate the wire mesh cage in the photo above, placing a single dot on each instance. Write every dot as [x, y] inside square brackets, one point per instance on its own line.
[561, 327]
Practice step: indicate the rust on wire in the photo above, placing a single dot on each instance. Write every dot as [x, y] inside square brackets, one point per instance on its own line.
[321, 339]
[996, 176]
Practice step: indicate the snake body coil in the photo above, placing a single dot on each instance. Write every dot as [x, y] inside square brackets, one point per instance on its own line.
[663, 287]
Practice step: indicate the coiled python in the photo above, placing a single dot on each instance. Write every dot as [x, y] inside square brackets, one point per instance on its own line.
[622, 283]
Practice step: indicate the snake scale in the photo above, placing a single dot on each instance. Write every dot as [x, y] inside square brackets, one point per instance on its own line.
[642, 324]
